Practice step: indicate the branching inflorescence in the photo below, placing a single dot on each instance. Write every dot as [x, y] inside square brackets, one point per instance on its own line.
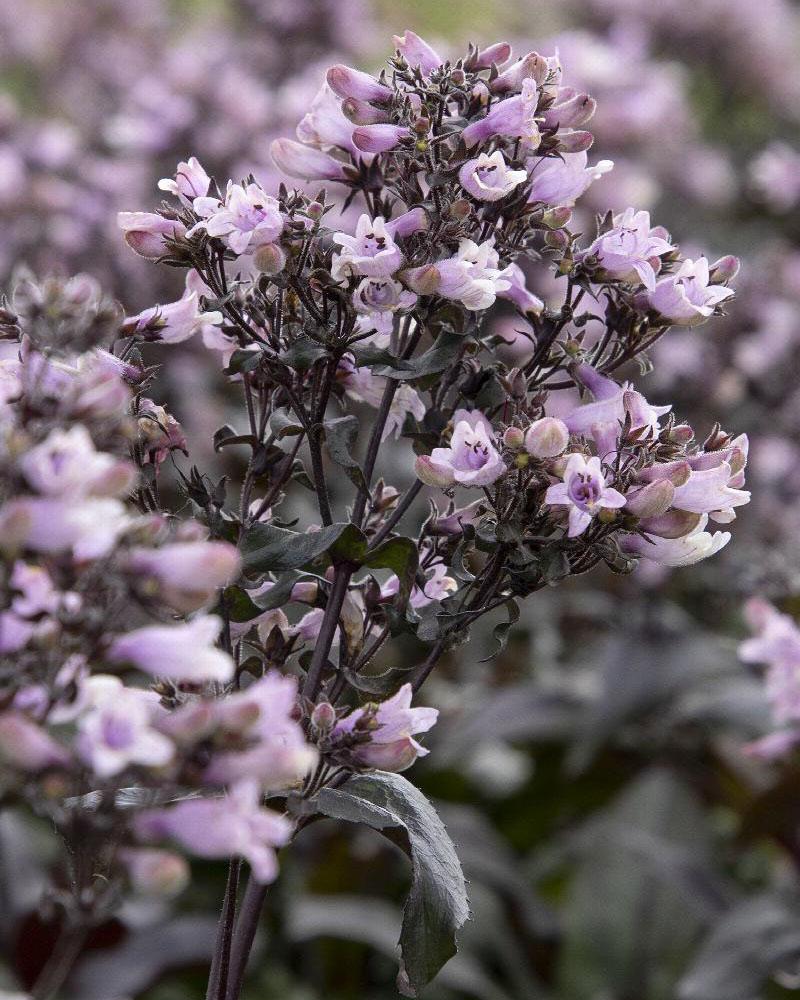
[165, 675]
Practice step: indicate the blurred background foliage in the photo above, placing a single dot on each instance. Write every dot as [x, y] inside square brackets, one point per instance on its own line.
[618, 843]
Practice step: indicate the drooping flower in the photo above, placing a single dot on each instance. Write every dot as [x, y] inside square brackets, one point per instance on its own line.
[629, 250]
[324, 124]
[471, 459]
[387, 732]
[232, 825]
[275, 753]
[296, 159]
[380, 138]
[66, 464]
[489, 178]
[178, 652]
[686, 297]
[347, 82]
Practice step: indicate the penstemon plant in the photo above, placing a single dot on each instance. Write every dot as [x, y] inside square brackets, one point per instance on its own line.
[210, 684]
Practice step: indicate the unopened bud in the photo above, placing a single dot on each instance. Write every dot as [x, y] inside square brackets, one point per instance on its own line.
[323, 718]
[607, 515]
[547, 437]
[681, 434]
[460, 209]
[315, 211]
[422, 125]
[522, 460]
[574, 142]
[557, 239]
[269, 259]
[458, 77]
[513, 438]
[557, 218]
[651, 500]
[362, 112]
[155, 872]
[724, 269]
[431, 474]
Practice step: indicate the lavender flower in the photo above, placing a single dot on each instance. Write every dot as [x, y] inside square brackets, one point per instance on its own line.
[471, 458]
[584, 492]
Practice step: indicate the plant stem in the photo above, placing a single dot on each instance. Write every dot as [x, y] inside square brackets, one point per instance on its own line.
[244, 935]
[60, 963]
[330, 621]
[220, 963]
[408, 498]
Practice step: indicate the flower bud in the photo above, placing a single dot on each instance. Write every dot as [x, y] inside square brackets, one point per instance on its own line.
[557, 218]
[546, 438]
[460, 209]
[269, 258]
[423, 280]
[379, 138]
[557, 239]
[574, 142]
[347, 82]
[156, 873]
[498, 53]
[513, 438]
[431, 474]
[651, 500]
[362, 112]
[323, 718]
[724, 269]
[315, 211]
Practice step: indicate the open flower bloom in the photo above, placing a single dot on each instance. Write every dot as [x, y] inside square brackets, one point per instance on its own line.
[489, 178]
[628, 251]
[472, 277]
[179, 652]
[66, 464]
[562, 180]
[191, 181]
[417, 52]
[686, 297]
[371, 252]
[247, 219]
[471, 458]
[88, 529]
[584, 492]
[296, 159]
[232, 825]
[438, 585]
[386, 732]
[117, 731]
[275, 753]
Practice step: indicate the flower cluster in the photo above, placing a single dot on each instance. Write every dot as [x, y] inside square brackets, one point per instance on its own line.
[237, 656]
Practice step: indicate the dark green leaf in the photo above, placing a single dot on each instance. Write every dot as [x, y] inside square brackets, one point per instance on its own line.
[402, 557]
[283, 423]
[340, 436]
[501, 630]
[266, 548]
[437, 904]
[302, 354]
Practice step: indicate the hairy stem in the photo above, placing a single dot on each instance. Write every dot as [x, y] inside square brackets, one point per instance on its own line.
[60, 963]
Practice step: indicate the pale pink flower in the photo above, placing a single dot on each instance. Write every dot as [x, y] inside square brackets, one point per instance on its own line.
[686, 297]
[584, 492]
[247, 219]
[233, 825]
[561, 180]
[188, 573]
[371, 253]
[179, 652]
[145, 232]
[390, 727]
[174, 322]
[630, 250]
[684, 550]
[471, 459]
[191, 181]
[66, 464]
[489, 178]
